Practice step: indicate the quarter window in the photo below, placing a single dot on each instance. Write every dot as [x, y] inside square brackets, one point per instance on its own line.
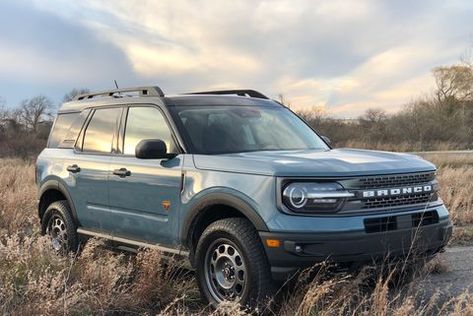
[61, 127]
[145, 123]
[101, 129]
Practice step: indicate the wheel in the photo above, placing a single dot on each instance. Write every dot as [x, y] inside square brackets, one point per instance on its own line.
[61, 228]
[232, 265]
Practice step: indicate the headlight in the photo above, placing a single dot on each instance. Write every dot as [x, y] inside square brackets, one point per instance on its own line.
[309, 197]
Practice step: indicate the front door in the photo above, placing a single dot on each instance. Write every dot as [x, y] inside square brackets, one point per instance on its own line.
[144, 193]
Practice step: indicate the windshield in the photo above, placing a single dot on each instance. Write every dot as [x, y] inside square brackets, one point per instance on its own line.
[233, 129]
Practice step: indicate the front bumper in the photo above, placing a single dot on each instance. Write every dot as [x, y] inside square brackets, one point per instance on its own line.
[300, 250]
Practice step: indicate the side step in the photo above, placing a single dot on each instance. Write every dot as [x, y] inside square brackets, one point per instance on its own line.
[132, 242]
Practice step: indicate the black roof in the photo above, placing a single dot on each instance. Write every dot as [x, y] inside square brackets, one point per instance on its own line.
[207, 99]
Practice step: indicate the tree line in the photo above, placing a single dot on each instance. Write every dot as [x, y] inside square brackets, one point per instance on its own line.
[441, 121]
[24, 129]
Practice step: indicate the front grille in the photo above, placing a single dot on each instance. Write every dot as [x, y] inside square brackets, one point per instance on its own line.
[424, 219]
[384, 202]
[396, 180]
[383, 224]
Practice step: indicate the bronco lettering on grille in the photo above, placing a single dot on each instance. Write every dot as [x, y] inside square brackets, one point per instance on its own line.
[397, 191]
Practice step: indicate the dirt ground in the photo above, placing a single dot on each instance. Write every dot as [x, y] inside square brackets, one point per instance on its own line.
[457, 278]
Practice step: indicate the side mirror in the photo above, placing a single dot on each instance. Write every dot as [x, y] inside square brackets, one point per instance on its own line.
[327, 140]
[152, 149]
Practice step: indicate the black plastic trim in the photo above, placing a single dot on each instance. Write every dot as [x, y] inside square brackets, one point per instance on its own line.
[240, 92]
[350, 247]
[58, 186]
[219, 199]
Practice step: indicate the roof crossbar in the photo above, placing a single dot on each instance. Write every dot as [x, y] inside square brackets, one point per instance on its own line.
[153, 91]
[249, 93]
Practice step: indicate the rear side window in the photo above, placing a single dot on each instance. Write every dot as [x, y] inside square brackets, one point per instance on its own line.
[100, 131]
[61, 128]
[146, 123]
[71, 136]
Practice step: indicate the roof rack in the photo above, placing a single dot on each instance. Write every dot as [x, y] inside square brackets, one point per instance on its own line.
[249, 93]
[153, 91]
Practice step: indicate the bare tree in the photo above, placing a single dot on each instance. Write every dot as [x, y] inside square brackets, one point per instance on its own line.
[4, 113]
[374, 116]
[34, 111]
[73, 93]
[454, 83]
[313, 116]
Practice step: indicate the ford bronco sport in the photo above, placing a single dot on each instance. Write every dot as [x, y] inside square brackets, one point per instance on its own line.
[233, 181]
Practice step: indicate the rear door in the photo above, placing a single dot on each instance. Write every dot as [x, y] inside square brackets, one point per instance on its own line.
[90, 168]
[144, 202]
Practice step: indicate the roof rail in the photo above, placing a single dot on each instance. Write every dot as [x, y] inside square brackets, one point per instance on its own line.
[249, 93]
[153, 91]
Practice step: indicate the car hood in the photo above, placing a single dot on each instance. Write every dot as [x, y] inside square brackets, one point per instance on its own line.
[301, 163]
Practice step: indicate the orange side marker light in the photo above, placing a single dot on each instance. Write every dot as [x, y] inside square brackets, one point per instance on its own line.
[273, 243]
[166, 204]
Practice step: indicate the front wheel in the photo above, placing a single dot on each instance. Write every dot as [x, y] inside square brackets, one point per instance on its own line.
[231, 263]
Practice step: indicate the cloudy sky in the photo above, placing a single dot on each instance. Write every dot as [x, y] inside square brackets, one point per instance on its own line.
[346, 55]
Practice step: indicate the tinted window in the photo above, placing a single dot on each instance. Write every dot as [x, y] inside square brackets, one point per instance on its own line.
[61, 127]
[99, 133]
[71, 136]
[231, 129]
[145, 123]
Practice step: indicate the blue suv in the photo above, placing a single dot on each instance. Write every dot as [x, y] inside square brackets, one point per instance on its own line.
[232, 181]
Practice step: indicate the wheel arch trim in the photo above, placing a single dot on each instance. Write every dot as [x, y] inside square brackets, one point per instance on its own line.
[54, 184]
[219, 198]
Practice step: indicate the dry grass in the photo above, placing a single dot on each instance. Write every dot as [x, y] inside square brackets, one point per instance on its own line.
[456, 186]
[452, 160]
[33, 280]
[400, 146]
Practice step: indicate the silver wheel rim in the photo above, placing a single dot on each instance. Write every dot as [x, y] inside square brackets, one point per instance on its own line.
[57, 232]
[225, 271]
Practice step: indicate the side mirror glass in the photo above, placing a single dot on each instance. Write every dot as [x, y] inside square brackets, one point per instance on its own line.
[327, 140]
[152, 149]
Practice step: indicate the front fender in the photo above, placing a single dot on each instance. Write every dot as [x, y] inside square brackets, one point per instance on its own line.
[217, 196]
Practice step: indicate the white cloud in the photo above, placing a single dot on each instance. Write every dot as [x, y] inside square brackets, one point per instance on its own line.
[345, 55]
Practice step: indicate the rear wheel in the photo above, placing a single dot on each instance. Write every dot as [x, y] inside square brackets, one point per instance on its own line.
[232, 265]
[61, 229]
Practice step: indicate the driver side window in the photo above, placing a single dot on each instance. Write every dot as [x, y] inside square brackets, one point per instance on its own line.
[145, 122]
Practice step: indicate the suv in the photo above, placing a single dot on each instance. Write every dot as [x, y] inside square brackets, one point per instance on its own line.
[233, 181]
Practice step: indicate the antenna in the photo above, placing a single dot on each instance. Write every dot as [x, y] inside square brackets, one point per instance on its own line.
[116, 85]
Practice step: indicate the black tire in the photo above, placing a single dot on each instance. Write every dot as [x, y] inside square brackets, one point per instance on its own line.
[233, 243]
[61, 228]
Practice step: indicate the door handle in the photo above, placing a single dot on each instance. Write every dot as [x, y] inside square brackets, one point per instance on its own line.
[73, 168]
[122, 172]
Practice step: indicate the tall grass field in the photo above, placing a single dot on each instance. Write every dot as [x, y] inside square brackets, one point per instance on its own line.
[98, 280]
